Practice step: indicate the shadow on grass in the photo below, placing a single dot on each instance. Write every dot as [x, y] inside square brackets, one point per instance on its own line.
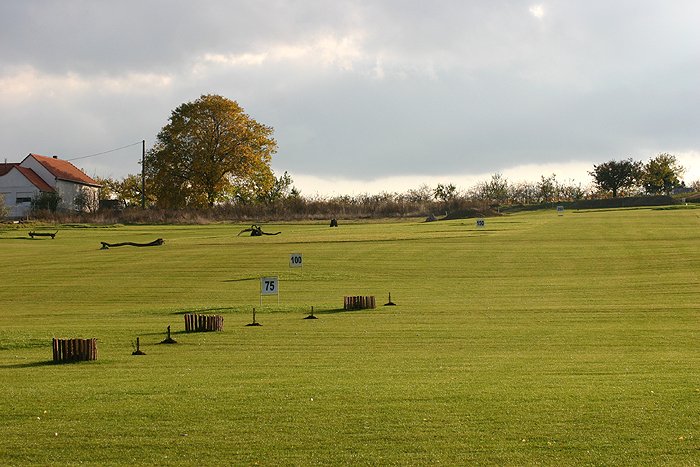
[163, 333]
[334, 311]
[241, 280]
[30, 364]
[203, 310]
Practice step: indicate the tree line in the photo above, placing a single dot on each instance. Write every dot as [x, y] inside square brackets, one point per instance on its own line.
[212, 156]
[211, 152]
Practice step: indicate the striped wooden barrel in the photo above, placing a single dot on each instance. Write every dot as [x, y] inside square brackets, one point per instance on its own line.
[74, 350]
[203, 323]
[359, 302]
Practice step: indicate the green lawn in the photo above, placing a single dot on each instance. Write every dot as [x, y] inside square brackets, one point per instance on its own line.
[538, 339]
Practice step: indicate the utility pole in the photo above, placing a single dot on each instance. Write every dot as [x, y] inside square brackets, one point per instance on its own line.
[143, 174]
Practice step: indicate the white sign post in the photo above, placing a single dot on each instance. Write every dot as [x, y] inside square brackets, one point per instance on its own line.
[269, 286]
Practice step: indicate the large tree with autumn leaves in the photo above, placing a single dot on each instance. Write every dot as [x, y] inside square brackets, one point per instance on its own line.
[210, 151]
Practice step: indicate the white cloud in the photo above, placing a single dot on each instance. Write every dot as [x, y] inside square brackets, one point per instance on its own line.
[568, 172]
[27, 83]
[340, 51]
[690, 160]
[133, 83]
[537, 11]
[246, 59]
[347, 52]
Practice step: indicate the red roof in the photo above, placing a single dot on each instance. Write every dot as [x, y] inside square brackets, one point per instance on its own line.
[6, 167]
[36, 180]
[64, 170]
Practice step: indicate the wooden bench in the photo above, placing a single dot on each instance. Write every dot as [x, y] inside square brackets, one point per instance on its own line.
[43, 234]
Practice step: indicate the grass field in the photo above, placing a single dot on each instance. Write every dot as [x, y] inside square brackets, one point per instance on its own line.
[538, 339]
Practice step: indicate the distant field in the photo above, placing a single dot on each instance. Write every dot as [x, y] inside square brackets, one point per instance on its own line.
[537, 339]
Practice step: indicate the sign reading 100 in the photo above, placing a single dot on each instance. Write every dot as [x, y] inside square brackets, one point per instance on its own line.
[295, 260]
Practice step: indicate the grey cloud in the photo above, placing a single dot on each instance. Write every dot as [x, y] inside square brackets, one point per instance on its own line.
[437, 88]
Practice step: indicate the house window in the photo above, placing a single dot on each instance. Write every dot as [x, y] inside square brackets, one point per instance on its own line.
[23, 198]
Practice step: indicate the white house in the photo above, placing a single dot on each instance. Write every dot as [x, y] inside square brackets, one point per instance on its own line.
[20, 182]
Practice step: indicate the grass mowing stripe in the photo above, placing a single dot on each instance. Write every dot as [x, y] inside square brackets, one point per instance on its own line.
[537, 339]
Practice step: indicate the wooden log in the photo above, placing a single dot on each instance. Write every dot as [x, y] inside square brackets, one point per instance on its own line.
[74, 350]
[359, 302]
[156, 242]
[203, 323]
[71, 350]
[56, 353]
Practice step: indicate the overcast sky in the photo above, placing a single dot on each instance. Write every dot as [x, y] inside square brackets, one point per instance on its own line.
[364, 96]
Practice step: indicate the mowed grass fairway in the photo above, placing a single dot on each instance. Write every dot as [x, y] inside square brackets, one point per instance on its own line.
[539, 339]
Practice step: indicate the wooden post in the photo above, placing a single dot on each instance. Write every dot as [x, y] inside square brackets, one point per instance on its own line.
[138, 348]
[143, 174]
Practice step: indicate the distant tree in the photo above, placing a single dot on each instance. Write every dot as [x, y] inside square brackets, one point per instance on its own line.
[547, 189]
[86, 200]
[4, 210]
[422, 194]
[495, 190]
[128, 191]
[282, 188]
[45, 201]
[445, 193]
[571, 191]
[695, 185]
[107, 187]
[209, 151]
[662, 174]
[523, 193]
[616, 175]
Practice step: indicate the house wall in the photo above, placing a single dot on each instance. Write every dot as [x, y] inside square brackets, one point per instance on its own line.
[40, 170]
[15, 187]
[69, 190]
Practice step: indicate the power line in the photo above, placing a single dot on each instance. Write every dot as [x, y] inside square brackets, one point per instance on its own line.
[105, 152]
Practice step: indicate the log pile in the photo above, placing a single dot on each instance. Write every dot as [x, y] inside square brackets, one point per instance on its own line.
[74, 350]
[359, 302]
[203, 323]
